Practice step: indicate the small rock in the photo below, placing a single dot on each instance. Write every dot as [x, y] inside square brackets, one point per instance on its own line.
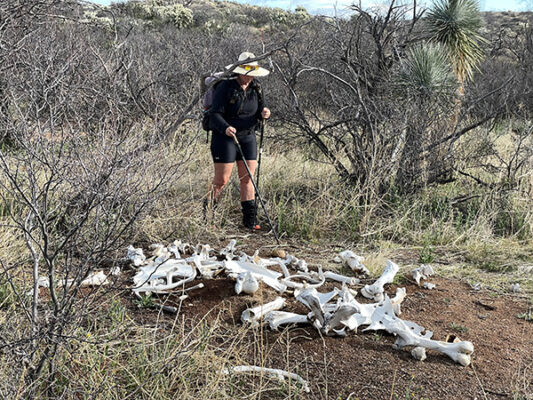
[515, 287]
[279, 253]
[419, 353]
[429, 285]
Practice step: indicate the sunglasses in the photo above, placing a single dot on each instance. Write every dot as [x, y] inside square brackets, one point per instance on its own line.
[249, 67]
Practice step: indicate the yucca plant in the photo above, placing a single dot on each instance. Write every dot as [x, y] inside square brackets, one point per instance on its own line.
[428, 72]
[456, 25]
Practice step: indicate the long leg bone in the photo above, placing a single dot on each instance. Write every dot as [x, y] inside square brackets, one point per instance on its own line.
[253, 315]
[375, 291]
[276, 373]
[341, 278]
[277, 318]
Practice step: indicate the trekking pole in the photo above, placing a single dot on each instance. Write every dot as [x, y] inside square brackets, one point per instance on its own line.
[263, 122]
[255, 187]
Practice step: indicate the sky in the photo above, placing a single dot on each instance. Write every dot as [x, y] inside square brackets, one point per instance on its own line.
[328, 7]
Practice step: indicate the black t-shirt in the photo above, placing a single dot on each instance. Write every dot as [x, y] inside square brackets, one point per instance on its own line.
[232, 106]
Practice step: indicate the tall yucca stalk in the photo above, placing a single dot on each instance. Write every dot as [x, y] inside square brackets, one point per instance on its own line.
[456, 25]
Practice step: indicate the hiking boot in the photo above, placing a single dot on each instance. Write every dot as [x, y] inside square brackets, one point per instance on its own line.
[248, 214]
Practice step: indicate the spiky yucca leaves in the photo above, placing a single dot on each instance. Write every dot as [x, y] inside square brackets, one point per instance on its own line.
[456, 25]
[427, 71]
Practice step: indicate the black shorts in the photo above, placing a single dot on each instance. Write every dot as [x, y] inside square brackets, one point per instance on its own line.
[224, 149]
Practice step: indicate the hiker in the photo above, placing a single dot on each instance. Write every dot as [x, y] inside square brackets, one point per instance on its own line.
[237, 109]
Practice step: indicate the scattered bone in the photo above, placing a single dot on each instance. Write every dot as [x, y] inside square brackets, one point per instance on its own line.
[422, 272]
[314, 282]
[277, 318]
[115, 271]
[246, 283]
[199, 286]
[429, 286]
[353, 261]
[228, 251]
[95, 279]
[300, 265]
[160, 252]
[376, 290]
[136, 256]
[174, 249]
[397, 300]
[515, 288]
[419, 353]
[275, 373]
[253, 315]
[341, 278]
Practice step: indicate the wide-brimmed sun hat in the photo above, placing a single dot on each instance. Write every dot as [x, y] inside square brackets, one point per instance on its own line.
[248, 68]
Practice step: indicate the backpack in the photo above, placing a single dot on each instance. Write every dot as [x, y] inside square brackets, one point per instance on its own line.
[209, 95]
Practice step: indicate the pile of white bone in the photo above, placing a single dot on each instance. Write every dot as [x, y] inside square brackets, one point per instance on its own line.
[333, 313]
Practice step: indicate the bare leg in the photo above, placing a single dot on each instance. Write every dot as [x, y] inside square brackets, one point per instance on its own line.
[247, 188]
[221, 178]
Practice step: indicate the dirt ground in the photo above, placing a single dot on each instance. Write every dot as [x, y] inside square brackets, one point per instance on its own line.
[365, 366]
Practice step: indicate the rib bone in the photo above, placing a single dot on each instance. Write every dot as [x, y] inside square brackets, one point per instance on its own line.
[276, 373]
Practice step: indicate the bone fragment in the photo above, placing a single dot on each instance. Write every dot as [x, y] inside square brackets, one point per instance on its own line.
[174, 249]
[115, 271]
[246, 283]
[422, 272]
[228, 251]
[95, 279]
[429, 285]
[253, 315]
[160, 252]
[275, 373]
[515, 287]
[353, 261]
[398, 299]
[375, 291]
[136, 256]
[419, 353]
[341, 278]
[277, 318]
